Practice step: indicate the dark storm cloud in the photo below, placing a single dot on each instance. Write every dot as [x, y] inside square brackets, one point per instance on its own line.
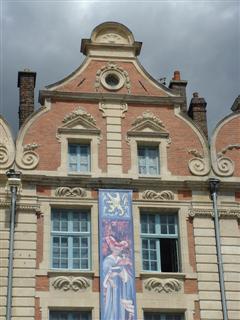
[197, 37]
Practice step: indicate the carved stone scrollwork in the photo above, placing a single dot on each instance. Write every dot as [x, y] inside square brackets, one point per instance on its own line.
[225, 166]
[147, 115]
[7, 148]
[29, 158]
[70, 192]
[206, 212]
[153, 195]
[79, 112]
[3, 154]
[124, 108]
[119, 71]
[162, 285]
[70, 283]
[222, 165]
[199, 164]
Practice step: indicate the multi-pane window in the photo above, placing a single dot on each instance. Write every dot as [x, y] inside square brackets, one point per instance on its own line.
[162, 316]
[70, 233]
[79, 157]
[159, 235]
[148, 160]
[70, 315]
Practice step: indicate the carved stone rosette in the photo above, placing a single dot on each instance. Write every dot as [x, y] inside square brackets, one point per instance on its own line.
[153, 195]
[162, 285]
[70, 192]
[70, 283]
[28, 159]
[199, 165]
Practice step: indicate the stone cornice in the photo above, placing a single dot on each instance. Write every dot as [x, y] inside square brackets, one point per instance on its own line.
[96, 97]
[20, 206]
[208, 212]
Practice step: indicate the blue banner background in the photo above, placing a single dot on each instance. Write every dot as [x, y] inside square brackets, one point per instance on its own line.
[117, 270]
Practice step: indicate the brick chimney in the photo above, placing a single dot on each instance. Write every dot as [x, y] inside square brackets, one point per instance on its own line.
[26, 85]
[180, 87]
[197, 111]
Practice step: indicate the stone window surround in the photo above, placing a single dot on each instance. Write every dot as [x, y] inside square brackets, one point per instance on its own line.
[182, 214]
[161, 142]
[45, 266]
[77, 137]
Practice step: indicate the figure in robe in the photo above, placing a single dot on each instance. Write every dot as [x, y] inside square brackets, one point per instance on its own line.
[118, 283]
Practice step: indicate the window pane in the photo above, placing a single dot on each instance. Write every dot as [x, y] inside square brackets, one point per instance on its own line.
[169, 255]
[159, 243]
[69, 246]
[79, 157]
[70, 315]
[162, 316]
[148, 160]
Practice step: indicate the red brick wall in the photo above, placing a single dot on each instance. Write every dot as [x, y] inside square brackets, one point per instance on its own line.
[183, 137]
[184, 194]
[43, 132]
[190, 286]
[197, 311]
[38, 313]
[42, 283]
[43, 191]
[86, 80]
[191, 244]
[40, 226]
[229, 134]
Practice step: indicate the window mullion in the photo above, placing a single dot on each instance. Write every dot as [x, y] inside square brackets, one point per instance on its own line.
[158, 255]
[78, 158]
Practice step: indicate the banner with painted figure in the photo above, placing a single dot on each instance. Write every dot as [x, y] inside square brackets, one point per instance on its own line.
[117, 275]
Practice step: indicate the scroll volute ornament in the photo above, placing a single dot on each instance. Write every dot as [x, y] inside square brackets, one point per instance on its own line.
[199, 164]
[28, 158]
[223, 165]
[7, 147]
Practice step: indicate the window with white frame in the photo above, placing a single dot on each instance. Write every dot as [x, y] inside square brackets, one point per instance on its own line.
[70, 315]
[79, 157]
[70, 236]
[162, 316]
[148, 160]
[159, 237]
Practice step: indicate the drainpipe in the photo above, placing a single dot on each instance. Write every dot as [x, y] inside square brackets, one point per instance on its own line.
[213, 186]
[13, 184]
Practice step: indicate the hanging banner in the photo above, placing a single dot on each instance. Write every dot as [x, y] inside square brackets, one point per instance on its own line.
[117, 276]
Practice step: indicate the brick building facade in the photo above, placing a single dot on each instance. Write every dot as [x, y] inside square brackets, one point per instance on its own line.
[110, 125]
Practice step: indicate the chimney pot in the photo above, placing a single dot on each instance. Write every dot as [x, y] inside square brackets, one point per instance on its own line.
[195, 94]
[176, 75]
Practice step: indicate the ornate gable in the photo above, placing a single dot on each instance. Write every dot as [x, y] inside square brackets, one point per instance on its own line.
[148, 125]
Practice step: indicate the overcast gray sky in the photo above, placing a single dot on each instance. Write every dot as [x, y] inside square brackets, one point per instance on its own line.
[199, 38]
